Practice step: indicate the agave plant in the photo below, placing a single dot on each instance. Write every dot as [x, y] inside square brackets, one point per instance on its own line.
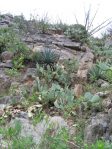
[47, 57]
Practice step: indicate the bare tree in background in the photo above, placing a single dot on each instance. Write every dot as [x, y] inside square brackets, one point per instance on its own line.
[89, 21]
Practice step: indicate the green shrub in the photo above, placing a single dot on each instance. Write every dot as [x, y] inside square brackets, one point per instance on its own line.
[77, 32]
[11, 132]
[10, 41]
[18, 61]
[7, 39]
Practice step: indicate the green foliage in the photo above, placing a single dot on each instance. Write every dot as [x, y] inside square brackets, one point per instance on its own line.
[65, 99]
[91, 98]
[43, 24]
[12, 72]
[54, 95]
[12, 137]
[38, 116]
[77, 32]
[11, 132]
[98, 71]
[108, 75]
[49, 95]
[47, 57]
[106, 54]
[100, 50]
[7, 39]
[10, 41]
[23, 143]
[60, 74]
[95, 73]
[101, 70]
[53, 86]
[96, 44]
[57, 141]
[71, 65]
[99, 144]
[92, 102]
[18, 61]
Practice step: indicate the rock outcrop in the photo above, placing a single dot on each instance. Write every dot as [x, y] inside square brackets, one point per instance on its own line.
[85, 64]
[99, 127]
[5, 82]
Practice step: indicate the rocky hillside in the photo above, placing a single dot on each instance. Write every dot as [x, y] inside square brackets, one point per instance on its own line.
[55, 86]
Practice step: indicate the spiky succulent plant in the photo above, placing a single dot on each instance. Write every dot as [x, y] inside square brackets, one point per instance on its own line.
[47, 57]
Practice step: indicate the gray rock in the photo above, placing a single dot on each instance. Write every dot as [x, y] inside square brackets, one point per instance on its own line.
[8, 64]
[110, 113]
[58, 40]
[2, 106]
[86, 62]
[107, 103]
[108, 42]
[103, 94]
[18, 90]
[3, 144]
[10, 100]
[6, 20]
[22, 114]
[2, 25]
[5, 100]
[7, 55]
[102, 83]
[110, 126]
[106, 84]
[31, 73]
[5, 82]
[97, 128]
[71, 45]
[64, 53]
[38, 131]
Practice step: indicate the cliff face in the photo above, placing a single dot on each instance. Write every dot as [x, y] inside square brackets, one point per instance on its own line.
[61, 103]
